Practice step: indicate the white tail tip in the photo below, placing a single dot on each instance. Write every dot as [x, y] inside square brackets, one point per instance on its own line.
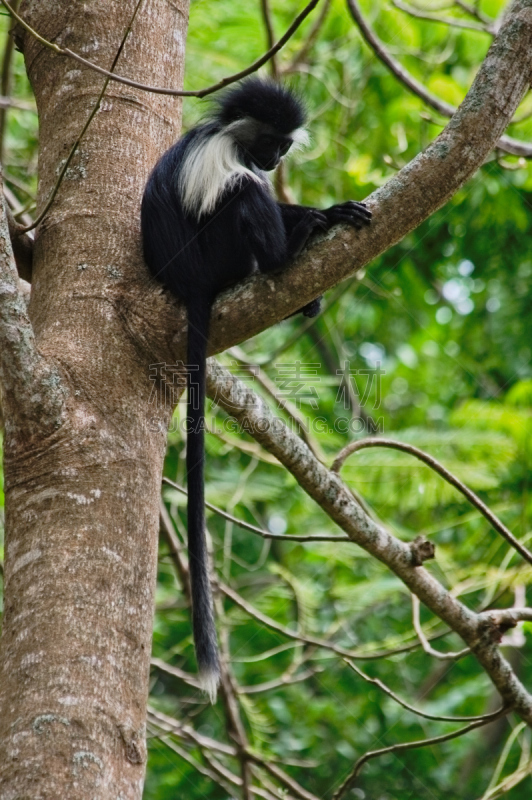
[209, 684]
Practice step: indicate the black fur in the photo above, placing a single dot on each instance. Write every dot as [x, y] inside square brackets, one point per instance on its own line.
[197, 254]
[265, 101]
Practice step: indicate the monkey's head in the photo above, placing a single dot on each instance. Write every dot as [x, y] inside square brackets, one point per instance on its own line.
[264, 118]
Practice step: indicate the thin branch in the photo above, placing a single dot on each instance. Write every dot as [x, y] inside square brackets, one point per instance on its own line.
[313, 537]
[282, 777]
[17, 208]
[454, 22]
[270, 35]
[176, 551]
[5, 83]
[435, 465]
[175, 672]
[91, 116]
[506, 143]
[438, 717]
[310, 640]
[402, 747]
[277, 683]
[187, 732]
[210, 772]
[423, 639]
[301, 56]
[65, 51]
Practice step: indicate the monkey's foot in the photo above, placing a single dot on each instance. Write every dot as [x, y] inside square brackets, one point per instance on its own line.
[312, 309]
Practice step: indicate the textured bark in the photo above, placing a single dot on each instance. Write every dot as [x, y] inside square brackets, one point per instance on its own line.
[82, 488]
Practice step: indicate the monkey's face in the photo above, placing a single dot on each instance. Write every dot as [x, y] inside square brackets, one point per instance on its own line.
[262, 145]
[268, 150]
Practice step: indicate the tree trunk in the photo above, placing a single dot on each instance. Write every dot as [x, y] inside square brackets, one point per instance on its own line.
[82, 486]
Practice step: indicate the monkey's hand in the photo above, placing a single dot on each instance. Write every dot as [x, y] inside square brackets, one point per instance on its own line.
[307, 222]
[349, 213]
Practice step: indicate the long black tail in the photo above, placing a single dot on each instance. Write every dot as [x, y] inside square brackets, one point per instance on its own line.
[202, 608]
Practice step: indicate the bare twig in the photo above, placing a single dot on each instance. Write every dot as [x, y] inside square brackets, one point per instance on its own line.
[189, 733]
[454, 22]
[5, 83]
[270, 35]
[175, 544]
[403, 746]
[439, 717]
[65, 51]
[423, 639]
[209, 772]
[276, 683]
[431, 462]
[301, 56]
[19, 214]
[313, 537]
[175, 672]
[285, 779]
[310, 640]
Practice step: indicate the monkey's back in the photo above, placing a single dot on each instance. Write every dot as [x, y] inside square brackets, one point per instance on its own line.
[200, 256]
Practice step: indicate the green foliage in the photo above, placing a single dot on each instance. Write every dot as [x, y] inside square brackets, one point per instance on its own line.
[445, 314]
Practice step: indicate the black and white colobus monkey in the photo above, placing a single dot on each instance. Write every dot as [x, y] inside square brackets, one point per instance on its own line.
[209, 219]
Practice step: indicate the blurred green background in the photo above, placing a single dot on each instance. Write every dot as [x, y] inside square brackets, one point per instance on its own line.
[434, 341]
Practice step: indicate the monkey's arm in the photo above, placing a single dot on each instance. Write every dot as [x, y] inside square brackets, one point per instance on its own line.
[301, 222]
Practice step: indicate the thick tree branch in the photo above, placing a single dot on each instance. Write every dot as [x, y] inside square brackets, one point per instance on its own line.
[404, 202]
[22, 246]
[326, 489]
[31, 388]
